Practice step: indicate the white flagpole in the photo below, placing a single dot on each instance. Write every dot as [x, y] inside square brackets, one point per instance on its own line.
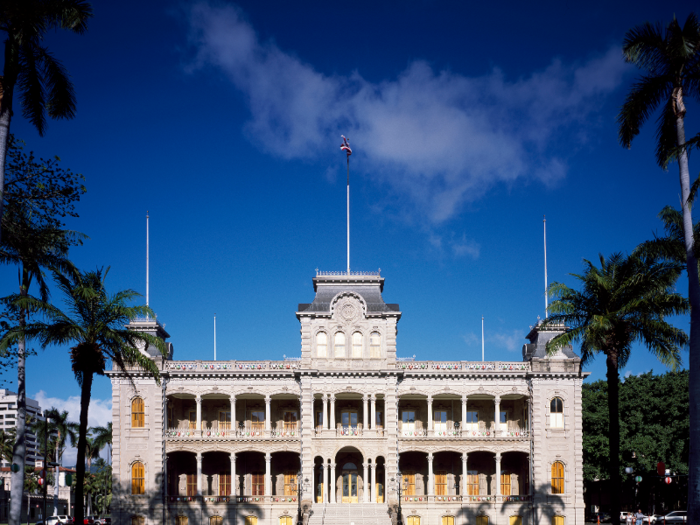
[546, 295]
[482, 337]
[147, 259]
[348, 157]
[214, 336]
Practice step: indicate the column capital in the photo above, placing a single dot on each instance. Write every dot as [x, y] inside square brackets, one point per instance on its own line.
[373, 466]
[331, 397]
[430, 398]
[365, 397]
[232, 396]
[268, 399]
[497, 399]
[268, 457]
[464, 399]
[233, 456]
[498, 456]
[430, 456]
[465, 456]
[198, 398]
[324, 396]
[365, 465]
[199, 457]
[373, 397]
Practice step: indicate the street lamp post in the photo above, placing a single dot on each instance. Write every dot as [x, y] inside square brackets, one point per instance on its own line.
[397, 482]
[302, 485]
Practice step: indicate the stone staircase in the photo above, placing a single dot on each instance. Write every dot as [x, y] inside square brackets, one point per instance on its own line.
[351, 513]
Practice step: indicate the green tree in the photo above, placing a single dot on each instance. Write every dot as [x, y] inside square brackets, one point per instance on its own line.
[34, 240]
[60, 431]
[624, 301]
[103, 438]
[7, 443]
[671, 62]
[95, 322]
[43, 83]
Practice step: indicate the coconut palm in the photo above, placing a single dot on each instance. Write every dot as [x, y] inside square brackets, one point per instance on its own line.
[60, 431]
[7, 443]
[42, 82]
[95, 321]
[32, 247]
[625, 301]
[671, 62]
[103, 437]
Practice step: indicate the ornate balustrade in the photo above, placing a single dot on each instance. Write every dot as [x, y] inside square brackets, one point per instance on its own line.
[348, 431]
[462, 366]
[457, 433]
[465, 499]
[231, 366]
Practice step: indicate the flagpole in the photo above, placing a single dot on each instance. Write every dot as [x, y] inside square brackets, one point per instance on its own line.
[482, 338]
[546, 298]
[147, 261]
[348, 188]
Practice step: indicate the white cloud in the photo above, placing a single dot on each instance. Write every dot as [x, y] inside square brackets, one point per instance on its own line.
[510, 341]
[99, 414]
[439, 138]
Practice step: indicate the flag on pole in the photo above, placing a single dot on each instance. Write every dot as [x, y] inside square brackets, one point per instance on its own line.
[345, 146]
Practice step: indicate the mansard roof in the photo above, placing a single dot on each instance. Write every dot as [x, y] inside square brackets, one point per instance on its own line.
[367, 285]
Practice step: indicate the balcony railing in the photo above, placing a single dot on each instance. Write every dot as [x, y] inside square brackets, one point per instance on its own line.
[456, 432]
[465, 499]
[348, 431]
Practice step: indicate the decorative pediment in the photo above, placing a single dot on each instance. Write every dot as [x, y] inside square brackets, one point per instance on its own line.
[348, 308]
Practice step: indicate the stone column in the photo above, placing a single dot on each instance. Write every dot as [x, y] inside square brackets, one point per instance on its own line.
[331, 420]
[431, 481]
[465, 473]
[365, 399]
[464, 415]
[233, 474]
[430, 413]
[331, 467]
[268, 414]
[199, 473]
[325, 420]
[232, 400]
[373, 422]
[498, 473]
[268, 474]
[373, 487]
[365, 486]
[326, 466]
[198, 400]
[497, 415]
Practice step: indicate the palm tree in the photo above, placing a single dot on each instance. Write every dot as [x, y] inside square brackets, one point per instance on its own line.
[43, 83]
[671, 61]
[103, 437]
[92, 451]
[32, 247]
[624, 301]
[96, 323]
[60, 431]
[7, 443]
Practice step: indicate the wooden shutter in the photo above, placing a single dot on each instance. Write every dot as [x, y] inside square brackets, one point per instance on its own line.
[515, 520]
[557, 479]
[137, 479]
[137, 415]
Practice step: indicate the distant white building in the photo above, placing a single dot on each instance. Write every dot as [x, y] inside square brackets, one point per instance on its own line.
[8, 420]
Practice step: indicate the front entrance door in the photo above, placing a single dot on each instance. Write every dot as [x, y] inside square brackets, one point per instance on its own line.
[349, 483]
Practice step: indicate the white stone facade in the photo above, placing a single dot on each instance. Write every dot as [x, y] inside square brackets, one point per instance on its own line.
[475, 442]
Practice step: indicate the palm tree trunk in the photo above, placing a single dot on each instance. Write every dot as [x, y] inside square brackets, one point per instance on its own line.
[7, 83]
[613, 375]
[82, 443]
[694, 357]
[20, 449]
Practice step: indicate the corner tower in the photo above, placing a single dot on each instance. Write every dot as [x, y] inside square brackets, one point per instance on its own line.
[348, 326]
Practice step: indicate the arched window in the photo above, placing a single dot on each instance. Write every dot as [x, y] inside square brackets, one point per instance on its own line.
[251, 520]
[413, 520]
[339, 344]
[181, 520]
[286, 520]
[448, 520]
[138, 520]
[138, 485]
[321, 344]
[482, 520]
[216, 520]
[137, 415]
[557, 477]
[375, 345]
[357, 345]
[556, 413]
[515, 520]
[557, 520]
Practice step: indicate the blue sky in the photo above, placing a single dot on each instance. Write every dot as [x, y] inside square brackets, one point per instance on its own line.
[469, 121]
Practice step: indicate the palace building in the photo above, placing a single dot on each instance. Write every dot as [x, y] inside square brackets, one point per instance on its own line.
[349, 433]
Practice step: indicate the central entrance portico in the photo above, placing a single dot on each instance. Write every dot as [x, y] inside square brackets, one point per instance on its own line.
[350, 476]
[349, 483]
